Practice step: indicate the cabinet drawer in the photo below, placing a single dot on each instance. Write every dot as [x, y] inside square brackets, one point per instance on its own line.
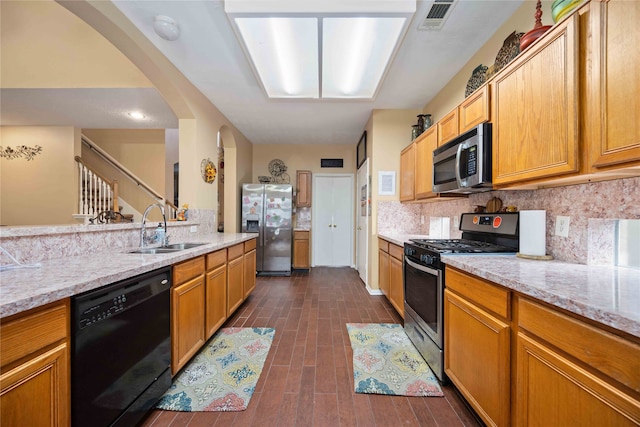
[249, 245]
[493, 298]
[301, 235]
[216, 259]
[383, 245]
[188, 270]
[396, 251]
[604, 351]
[236, 251]
[25, 334]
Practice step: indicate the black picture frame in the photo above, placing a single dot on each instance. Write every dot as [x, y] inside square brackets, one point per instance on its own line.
[361, 151]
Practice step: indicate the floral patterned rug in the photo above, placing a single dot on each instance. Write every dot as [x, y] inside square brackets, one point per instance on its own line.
[386, 362]
[223, 376]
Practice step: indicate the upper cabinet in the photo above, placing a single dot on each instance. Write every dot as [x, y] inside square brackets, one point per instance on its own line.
[407, 173]
[303, 184]
[535, 109]
[612, 85]
[448, 127]
[425, 144]
[475, 109]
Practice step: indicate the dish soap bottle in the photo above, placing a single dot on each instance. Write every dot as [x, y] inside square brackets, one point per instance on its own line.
[160, 234]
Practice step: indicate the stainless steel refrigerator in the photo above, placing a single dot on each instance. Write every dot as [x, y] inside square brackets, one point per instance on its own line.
[266, 209]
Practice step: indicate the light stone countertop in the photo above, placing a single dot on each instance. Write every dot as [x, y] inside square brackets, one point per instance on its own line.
[607, 295]
[26, 288]
[399, 239]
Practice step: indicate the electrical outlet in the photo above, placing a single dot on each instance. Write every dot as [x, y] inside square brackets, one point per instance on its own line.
[562, 226]
[194, 229]
[456, 222]
[422, 219]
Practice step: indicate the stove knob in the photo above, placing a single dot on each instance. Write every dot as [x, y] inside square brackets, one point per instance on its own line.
[409, 251]
[428, 259]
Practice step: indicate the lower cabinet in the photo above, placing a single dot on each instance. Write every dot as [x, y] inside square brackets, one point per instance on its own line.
[390, 282]
[187, 312]
[249, 264]
[35, 381]
[235, 276]
[301, 249]
[216, 291]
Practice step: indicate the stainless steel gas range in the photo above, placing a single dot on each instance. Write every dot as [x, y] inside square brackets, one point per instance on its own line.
[424, 278]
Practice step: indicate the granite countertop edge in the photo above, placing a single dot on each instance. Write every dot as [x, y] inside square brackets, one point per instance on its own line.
[26, 288]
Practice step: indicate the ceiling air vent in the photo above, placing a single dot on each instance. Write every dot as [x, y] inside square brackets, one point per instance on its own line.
[437, 15]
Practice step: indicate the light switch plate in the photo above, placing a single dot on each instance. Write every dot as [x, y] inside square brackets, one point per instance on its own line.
[194, 229]
[562, 226]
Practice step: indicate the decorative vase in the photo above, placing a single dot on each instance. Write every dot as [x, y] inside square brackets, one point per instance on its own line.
[537, 31]
[427, 122]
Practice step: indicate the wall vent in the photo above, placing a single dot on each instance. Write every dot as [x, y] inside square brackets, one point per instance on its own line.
[331, 163]
[437, 15]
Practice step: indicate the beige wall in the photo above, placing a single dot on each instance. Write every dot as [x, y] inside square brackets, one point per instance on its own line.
[44, 190]
[453, 93]
[141, 151]
[389, 131]
[39, 36]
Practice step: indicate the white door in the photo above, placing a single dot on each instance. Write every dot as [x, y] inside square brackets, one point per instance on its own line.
[363, 210]
[332, 220]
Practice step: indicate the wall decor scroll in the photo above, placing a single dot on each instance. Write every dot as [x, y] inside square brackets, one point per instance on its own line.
[208, 170]
[20, 151]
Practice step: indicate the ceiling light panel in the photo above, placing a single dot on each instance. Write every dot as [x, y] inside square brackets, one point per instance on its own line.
[356, 53]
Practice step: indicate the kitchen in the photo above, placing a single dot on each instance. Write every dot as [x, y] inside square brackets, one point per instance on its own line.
[588, 214]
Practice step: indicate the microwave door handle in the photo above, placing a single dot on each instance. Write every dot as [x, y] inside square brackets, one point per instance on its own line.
[458, 155]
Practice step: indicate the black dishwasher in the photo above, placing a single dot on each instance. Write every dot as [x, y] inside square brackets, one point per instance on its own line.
[121, 350]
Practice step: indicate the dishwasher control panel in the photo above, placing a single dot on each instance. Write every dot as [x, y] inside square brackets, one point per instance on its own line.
[106, 302]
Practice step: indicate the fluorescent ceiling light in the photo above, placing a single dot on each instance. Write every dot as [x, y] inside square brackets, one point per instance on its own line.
[320, 49]
[137, 115]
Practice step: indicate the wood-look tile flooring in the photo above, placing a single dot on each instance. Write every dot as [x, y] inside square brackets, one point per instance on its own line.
[308, 377]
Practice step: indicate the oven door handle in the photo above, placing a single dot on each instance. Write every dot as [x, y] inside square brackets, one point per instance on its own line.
[422, 267]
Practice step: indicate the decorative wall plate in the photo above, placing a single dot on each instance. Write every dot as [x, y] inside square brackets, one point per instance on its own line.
[478, 77]
[208, 170]
[509, 50]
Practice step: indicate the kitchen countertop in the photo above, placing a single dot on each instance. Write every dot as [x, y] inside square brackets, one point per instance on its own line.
[399, 239]
[26, 288]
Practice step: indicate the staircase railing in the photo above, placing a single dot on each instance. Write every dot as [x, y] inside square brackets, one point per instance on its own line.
[95, 192]
[171, 209]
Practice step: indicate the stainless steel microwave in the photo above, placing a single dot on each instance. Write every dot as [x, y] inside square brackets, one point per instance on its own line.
[463, 165]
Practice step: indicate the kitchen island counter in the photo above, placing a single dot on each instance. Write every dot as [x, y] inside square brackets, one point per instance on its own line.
[26, 288]
[607, 295]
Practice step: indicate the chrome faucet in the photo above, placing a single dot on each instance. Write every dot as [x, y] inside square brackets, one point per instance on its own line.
[144, 238]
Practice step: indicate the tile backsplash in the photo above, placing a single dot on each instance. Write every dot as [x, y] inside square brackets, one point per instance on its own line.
[592, 209]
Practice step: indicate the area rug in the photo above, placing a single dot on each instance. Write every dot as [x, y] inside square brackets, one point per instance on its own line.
[386, 362]
[223, 375]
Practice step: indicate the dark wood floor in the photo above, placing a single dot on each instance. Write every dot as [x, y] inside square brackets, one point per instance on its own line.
[308, 377]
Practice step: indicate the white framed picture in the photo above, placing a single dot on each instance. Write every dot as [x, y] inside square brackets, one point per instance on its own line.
[386, 183]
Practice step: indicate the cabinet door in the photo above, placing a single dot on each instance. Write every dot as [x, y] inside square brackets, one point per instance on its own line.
[216, 300]
[396, 288]
[475, 109]
[551, 387]
[36, 392]
[249, 279]
[235, 287]
[383, 272]
[613, 84]
[448, 127]
[407, 173]
[535, 116]
[477, 358]
[303, 184]
[425, 144]
[301, 249]
[188, 327]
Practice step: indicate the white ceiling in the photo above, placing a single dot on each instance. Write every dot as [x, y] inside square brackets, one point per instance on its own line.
[209, 55]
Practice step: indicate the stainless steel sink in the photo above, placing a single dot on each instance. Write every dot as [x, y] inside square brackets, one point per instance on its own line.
[175, 247]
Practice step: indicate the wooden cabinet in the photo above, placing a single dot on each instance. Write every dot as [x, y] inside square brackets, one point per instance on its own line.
[612, 85]
[216, 291]
[249, 265]
[396, 285]
[187, 311]
[383, 266]
[407, 173]
[35, 381]
[474, 109]
[448, 127]
[301, 249]
[390, 259]
[303, 185]
[235, 276]
[572, 373]
[477, 344]
[425, 144]
[535, 110]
